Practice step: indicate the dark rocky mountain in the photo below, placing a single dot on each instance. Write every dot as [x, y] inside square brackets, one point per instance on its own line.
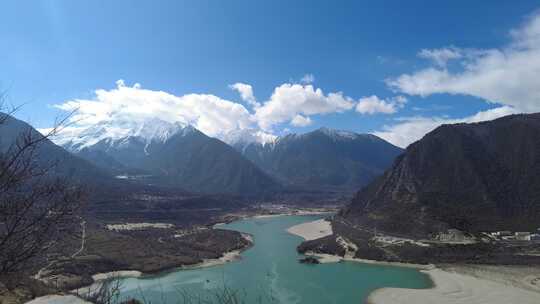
[201, 163]
[180, 156]
[103, 160]
[323, 159]
[473, 177]
[47, 154]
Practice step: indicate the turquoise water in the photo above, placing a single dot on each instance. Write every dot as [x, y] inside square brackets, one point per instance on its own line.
[270, 272]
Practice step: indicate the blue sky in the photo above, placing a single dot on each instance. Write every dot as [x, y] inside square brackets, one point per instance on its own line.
[55, 52]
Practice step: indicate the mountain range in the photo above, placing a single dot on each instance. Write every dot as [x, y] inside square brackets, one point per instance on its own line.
[323, 159]
[181, 155]
[473, 177]
[172, 154]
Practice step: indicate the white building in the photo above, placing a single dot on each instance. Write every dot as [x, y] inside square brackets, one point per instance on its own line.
[523, 236]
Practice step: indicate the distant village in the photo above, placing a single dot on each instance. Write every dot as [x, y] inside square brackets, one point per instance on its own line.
[458, 236]
[515, 236]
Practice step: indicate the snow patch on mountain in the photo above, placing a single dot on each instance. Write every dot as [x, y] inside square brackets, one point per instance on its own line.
[271, 143]
[119, 134]
[334, 133]
[247, 136]
[331, 133]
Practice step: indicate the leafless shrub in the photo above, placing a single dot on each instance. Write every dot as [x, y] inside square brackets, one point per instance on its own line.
[106, 292]
[37, 208]
[109, 292]
[223, 295]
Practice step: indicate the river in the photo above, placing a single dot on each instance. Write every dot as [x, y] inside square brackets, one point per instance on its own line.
[269, 272]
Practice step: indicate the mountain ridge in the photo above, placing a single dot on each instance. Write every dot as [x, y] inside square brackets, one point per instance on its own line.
[61, 162]
[327, 158]
[473, 177]
[174, 154]
[324, 159]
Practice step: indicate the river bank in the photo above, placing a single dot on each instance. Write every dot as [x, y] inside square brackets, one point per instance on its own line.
[226, 257]
[273, 212]
[452, 284]
[323, 228]
[312, 230]
[464, 284]
[58, 299]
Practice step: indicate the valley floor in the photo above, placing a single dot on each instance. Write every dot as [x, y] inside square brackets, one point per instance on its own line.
[132, 248]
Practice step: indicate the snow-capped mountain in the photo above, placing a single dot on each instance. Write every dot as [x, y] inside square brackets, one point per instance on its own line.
[341, 134]
[172, 153]
[118, 134]
[241, 139]
[324, 158]
[249, 161]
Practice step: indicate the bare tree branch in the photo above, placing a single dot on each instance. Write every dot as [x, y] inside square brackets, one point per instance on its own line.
[37, 208]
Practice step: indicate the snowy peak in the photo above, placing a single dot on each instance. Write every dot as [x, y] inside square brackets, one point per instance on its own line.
[172, 154]
[118, 133]
[337, 134]
[333, 134]
[325, 158]
[159, 130]
[240, 139]
[342, 135]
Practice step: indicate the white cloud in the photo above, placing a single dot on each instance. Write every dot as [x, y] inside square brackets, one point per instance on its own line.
[307, 79]
[373, 104]
[301, 121]
[124, 106]
[247, 136]
[411, 129]
[289, 100]
[441, 56]
[246, 93]
[509, 75]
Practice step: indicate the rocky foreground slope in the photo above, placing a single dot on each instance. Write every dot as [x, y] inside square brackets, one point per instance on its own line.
[473, 177]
